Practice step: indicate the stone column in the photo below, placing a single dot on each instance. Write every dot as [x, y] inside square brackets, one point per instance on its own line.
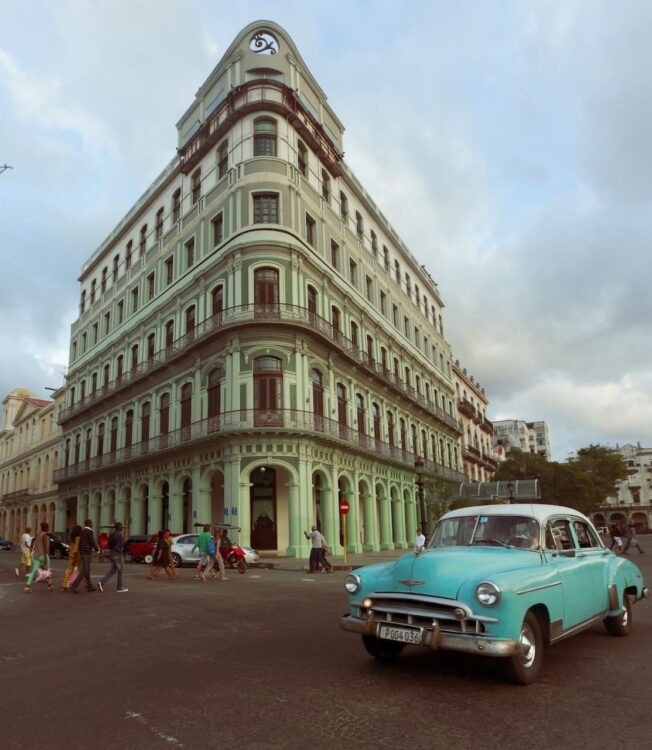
[410, 521]
[61, 516]
[370, 543]
[294, 518]
[201, 500]
[243, 518]
[398, 522]
[385, 524]
[94, 512]
[154, 517]
[138, 520]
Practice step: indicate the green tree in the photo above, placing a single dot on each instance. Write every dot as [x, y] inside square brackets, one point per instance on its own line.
[605, 467]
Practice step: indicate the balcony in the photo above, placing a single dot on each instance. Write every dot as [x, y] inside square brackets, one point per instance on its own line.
[256, 314]
[464, 406]
[264, 95]
[254, 422]
[473, 453]
[487, 426]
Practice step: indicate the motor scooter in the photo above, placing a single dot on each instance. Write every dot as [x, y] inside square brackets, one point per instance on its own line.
[233, 556]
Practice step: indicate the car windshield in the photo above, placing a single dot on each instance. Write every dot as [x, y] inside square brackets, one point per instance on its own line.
[497, 531]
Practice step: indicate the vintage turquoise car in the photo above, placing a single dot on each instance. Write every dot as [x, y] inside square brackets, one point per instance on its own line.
[496, 580]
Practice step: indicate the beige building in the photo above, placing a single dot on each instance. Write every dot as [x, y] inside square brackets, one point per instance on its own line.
[529, 437]
[255, 343]
[29, 454]
[632, 502]
[477, 451]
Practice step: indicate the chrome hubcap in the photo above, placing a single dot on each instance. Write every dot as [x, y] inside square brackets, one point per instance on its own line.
[528, 646]
[625, 617]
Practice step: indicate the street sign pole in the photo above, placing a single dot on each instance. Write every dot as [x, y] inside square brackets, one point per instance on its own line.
[344, 509]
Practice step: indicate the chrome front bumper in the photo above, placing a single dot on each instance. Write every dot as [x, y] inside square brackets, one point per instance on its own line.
[435, 640]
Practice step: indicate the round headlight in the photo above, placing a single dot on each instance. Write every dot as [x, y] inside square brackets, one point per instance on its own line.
[352, 583]
[488, 593]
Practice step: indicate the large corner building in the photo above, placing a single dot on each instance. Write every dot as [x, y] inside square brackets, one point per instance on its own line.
[254, 342]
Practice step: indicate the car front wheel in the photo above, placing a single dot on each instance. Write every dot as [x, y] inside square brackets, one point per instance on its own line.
[524, 667]
[381, 649]
[148, 559]
[176, 559]
[57, 554]
[620, 624]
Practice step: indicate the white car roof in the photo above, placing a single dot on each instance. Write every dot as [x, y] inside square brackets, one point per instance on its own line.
[533, 510]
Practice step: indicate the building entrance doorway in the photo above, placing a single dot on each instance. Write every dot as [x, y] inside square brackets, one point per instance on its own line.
[263, 508]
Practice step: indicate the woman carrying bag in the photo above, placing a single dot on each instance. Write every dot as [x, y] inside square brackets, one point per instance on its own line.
[40, 556]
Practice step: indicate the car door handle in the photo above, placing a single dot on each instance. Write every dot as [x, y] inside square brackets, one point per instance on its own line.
[581, 554]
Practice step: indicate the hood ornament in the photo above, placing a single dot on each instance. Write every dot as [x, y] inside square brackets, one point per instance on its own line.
[411, 582]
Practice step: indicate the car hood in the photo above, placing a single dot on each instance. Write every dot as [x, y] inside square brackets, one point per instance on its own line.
[442, 571]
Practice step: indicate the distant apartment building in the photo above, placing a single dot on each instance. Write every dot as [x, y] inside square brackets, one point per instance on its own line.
[632, 502]
[529, 437]
[477, 431]
[29, 453]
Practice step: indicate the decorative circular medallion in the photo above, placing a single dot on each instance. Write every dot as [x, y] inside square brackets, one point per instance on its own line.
[263, 43]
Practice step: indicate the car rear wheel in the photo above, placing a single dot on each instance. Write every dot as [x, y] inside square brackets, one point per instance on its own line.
[176, 559]
[620, 624]
[129, 557]
[524, 667]
[57, 554]
[381, 649]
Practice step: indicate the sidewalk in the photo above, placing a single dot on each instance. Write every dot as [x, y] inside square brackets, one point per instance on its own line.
[353, 561]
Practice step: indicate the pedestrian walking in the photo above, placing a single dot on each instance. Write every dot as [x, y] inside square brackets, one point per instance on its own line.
[616, 539]
[419, 541]
[217, 536]
[203, 541]
[74, 558]
[162, 557]
[116, 546]
[632, 540]
[40, 556]
[317, 551]
[25, 552]
[87, 544]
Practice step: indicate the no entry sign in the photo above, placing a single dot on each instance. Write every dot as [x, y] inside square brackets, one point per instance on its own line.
[344, 507]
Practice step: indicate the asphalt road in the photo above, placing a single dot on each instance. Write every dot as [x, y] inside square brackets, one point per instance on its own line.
[258, 661]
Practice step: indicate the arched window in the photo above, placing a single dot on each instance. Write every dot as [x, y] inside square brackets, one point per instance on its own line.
[93, 287]
[415, 444]
[359, 407]
[114, 435]
[100, 440]
[317, 392]
[375, 410]
[312, 302]
[145, 414]
[266, 291]
[354, 333]
[214, 395]
[134, 357]
[89, 444]
[325, 186]
[169, 334]
[268, 391]
[66, 454]
[164, 414]
[424, 443]
[119, 368]
[129, 428]
[403, 435]
[105, 271]
[341, 403]
[370, 349]
[217, 300]
[335, 319]
[186, 405]
[190, 323]
[390, 427]
[264, 137]
[77, 447]
[151, 343]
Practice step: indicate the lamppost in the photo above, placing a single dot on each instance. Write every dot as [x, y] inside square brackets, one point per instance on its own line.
[510, 489]
[419, 466]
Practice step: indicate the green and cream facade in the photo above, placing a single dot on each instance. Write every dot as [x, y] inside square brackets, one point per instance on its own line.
[255, 343]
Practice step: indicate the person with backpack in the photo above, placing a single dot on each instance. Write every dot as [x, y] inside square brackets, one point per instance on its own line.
[116, 556]
[204, 540]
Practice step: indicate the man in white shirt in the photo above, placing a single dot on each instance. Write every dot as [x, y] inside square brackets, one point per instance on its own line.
[25, 552]
[420, 541]
[318, 543]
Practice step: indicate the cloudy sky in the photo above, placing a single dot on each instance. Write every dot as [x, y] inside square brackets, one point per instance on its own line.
[507, 142]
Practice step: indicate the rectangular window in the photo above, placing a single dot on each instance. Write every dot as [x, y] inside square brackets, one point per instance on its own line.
[408, 285]
[94, 333]
[121, 311]
[397, 272]
[159, 224]
[353, 272]
[344, 208]
[302, 159]
[128, 255]
[374, 244]
[359, 226]
[395, 315]
[406, 326]
[417, 337]
[196, 186]
[190, 252]
[116, 264]
[325, 186]
[383, 303]
[143, 240]
[310, 231]
[266, 208]
[417, 295]
[222, 159]
[218, 229]
[150, 286]
[83, 342]
[369, 284]
[386, 258]
[176, 205]
[169, 270]
[107, 323]
[74, 351]
[134, 300]
[335, 255]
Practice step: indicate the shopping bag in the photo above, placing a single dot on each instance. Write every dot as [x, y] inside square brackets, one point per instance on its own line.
[43, 574]
[73, 576]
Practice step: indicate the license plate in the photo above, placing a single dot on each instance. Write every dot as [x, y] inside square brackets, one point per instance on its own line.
[399, 633]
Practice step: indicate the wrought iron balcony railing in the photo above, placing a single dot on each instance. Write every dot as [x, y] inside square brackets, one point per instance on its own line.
[246, 421]
[256, 313]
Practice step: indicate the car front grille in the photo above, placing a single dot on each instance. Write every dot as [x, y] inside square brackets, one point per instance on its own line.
[421, 611]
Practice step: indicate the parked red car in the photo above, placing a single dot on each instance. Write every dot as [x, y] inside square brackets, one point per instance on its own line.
[140, 548]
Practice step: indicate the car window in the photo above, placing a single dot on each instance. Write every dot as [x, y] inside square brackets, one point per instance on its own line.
[558, 535]
[585, 536]
[188, 539]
